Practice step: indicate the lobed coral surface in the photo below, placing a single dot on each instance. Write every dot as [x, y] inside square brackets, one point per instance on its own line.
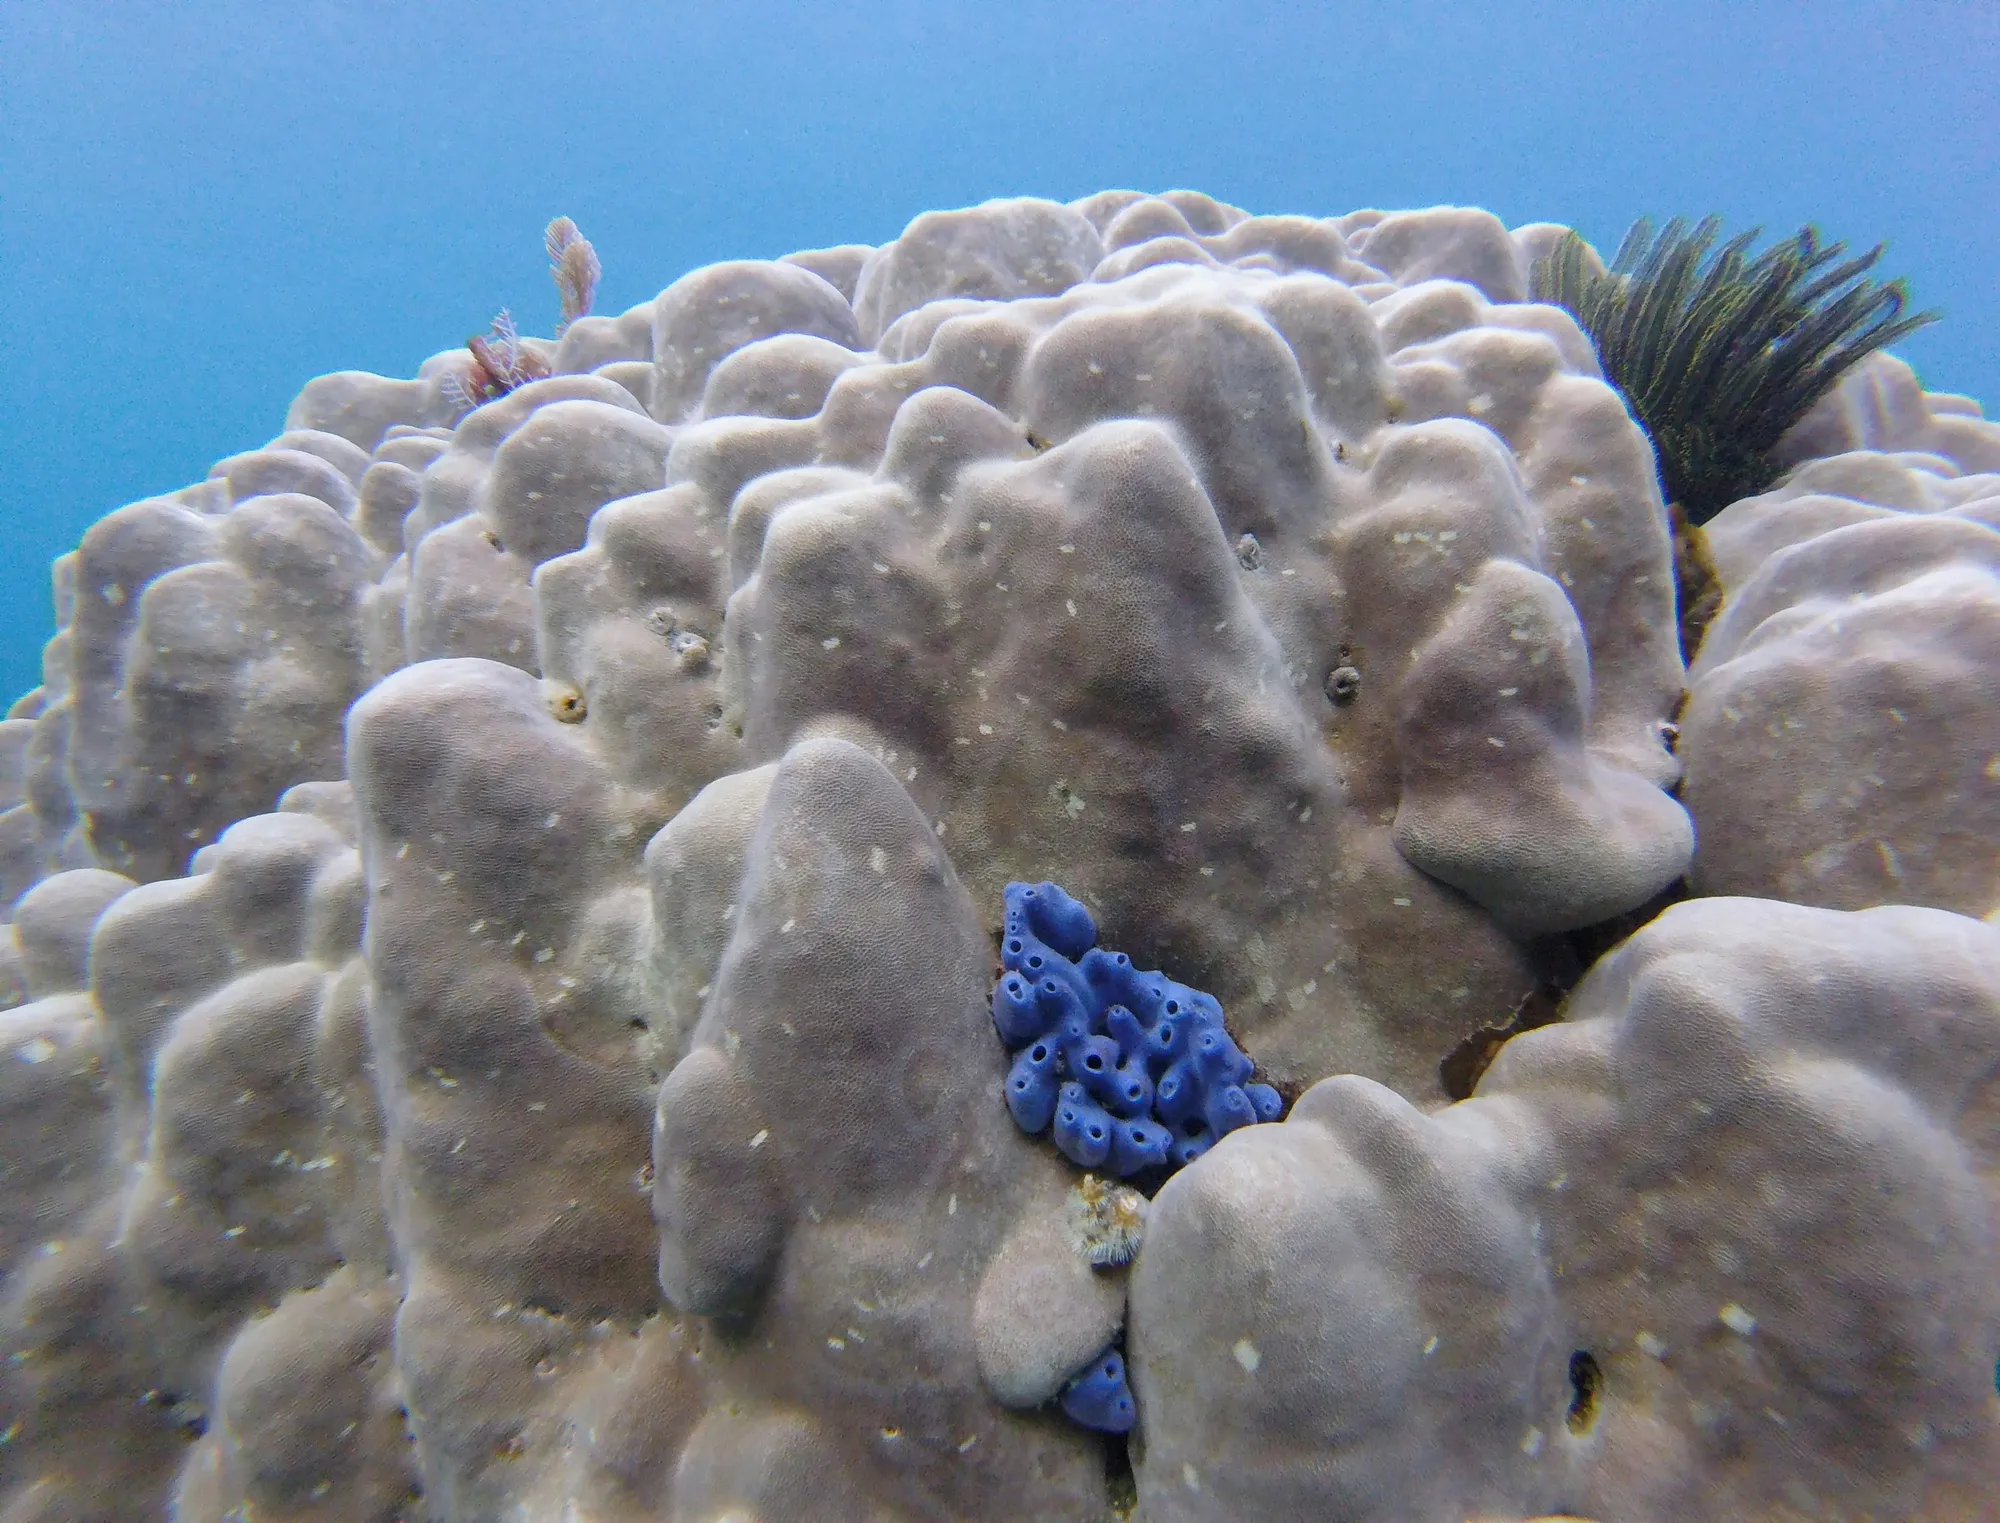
[499, 983]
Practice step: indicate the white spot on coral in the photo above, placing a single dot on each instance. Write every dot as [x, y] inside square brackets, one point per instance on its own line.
[1509, 692]
[1531, 1442]
[1650, 1346]
[878, 859]
[986, 729]
[831, 642]
[951, 1206]
[1737, 1320]
[1208, 872]
[1187, 827]
[1496, 742]
[1247, 1355]
[786, 928]
[1189, 1478]
[1401, 901]
[760, 1139]
[545, 955]
[1071, 606]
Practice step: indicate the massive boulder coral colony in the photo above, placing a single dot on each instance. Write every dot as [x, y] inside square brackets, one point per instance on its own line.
[580, 1094]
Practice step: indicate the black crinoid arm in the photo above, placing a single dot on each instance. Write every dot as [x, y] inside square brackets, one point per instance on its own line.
[1719, 351]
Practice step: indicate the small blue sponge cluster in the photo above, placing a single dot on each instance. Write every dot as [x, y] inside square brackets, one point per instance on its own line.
[1133, 1070]
[1099, 1397]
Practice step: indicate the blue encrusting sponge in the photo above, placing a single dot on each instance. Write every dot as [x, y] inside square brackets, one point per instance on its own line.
[1099, 1397]
[1132, 1070]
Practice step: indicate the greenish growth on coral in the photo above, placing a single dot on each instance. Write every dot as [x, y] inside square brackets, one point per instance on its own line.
[1717, 351]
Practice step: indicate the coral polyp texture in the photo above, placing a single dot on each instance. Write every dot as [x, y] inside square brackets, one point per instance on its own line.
[509, 914]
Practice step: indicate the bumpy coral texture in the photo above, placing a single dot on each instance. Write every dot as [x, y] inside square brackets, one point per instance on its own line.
[1842, 733]
[205, 1288]
[503, 913]
[1082, 543]
[1752, 1179]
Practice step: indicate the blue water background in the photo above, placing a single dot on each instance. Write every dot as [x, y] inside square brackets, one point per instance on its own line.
[204, 204]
